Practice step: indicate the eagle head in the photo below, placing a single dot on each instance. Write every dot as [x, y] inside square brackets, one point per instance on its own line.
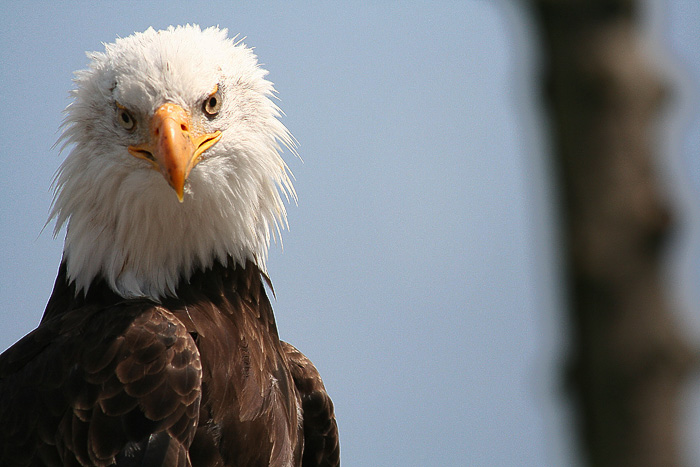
[174, 161]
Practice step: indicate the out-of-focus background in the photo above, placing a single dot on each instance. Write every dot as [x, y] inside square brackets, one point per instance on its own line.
[420, 270]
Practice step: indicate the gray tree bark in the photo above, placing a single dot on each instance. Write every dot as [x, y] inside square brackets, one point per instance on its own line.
[628, 358]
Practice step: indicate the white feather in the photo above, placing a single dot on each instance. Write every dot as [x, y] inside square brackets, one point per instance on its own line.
[124, 221]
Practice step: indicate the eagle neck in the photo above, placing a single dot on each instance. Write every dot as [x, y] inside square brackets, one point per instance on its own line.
[219, 283]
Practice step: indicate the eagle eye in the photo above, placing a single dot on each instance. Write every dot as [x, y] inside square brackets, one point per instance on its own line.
[212, 104]
[125, 119]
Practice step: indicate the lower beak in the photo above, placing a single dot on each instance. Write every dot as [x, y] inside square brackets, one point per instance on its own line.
[172, 148]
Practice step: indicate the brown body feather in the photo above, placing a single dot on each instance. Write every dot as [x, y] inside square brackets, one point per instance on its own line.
[200, 379]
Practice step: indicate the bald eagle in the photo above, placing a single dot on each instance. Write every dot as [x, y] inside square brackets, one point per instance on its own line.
[158, 345]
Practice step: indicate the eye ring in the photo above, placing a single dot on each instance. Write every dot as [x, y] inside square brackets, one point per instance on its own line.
[212, 104]
[125, 119]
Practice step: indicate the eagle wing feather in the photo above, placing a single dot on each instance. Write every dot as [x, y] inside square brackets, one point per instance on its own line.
[321, 443]
[122, 383]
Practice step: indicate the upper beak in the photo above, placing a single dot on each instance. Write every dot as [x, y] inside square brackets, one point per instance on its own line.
[172, 147]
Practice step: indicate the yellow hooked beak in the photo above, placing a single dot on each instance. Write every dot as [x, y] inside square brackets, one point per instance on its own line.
[172, 148]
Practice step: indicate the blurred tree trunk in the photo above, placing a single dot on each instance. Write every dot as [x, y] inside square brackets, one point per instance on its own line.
[628, 358]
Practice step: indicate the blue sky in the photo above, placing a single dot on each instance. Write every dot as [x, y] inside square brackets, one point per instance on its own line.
[419, 273]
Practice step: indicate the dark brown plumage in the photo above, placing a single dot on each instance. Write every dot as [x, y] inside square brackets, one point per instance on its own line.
[201, 379]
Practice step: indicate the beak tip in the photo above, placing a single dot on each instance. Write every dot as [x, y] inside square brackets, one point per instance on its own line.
[179, 189]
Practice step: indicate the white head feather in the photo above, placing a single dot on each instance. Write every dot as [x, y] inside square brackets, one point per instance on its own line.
[124, 221]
